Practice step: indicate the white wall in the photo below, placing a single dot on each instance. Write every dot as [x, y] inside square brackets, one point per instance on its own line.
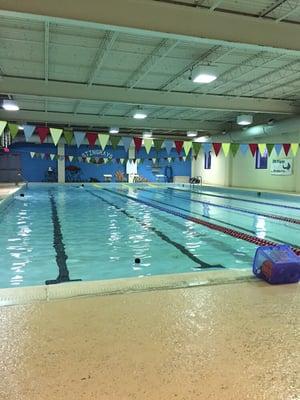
[239, 171]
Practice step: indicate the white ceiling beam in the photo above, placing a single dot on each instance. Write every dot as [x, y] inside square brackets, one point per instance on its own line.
[142, 97]
[96, 121]
[46, 51]
[141, 17]
[159, 53]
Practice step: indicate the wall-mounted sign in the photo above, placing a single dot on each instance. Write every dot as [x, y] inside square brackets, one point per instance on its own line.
[97, 153]
[282, 166]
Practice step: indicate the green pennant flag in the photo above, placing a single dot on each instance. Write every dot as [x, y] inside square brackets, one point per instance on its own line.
[226, 148]
[68, 136]
[196, 148]
[270, 147]
[103, 140]
[148, 145]
[157, 144]
[55, 134]
[115, 140]
[13, 129]
[187, 147]
[2, 126]
[234, 148]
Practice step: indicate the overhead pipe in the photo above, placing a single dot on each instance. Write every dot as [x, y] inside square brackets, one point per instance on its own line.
[287, 126]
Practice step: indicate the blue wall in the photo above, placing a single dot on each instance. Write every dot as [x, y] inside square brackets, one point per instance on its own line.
[35, 170]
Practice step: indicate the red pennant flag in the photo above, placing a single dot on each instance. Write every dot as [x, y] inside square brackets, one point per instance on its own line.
[253, 148]
[178, 145]
[91, 137]
[43, 132]
[286, 148]
[138, 143]
[217, 148]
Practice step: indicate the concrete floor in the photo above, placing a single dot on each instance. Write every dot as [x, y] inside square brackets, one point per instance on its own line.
[233, 341]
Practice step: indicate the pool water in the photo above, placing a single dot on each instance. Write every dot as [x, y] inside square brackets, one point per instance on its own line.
[58, 233]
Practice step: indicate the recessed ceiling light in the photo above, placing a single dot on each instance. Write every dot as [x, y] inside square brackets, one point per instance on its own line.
[147, 135]
[21, 127]
[114, 130]
[191, 133]
[244, 119]
[205, 77]
[10, 105]
[202, 139]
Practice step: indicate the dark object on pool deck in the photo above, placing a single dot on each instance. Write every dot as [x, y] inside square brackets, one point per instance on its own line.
[137, 260]
[82, 184]
[22, 195]
[277, 264]
[258, 194]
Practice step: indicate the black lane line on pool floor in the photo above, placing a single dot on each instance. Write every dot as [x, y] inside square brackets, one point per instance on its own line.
[161, 235]
[221, 222]
[58, 244]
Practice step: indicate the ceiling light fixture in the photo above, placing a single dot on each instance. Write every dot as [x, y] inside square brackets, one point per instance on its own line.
[10, 105]
[244, 119]
[191, 133]
[21, 127]
[114, 130]
[205, 75]
[139, 115]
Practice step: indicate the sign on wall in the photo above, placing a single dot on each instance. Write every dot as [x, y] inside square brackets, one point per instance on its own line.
[282, 166]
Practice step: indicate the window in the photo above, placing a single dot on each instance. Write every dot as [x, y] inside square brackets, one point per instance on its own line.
[207, 160]
[261, 161]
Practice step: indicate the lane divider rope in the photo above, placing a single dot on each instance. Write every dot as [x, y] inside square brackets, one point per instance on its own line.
[231, 232]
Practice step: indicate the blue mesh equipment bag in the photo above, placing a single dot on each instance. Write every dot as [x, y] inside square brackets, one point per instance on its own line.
[276, 264]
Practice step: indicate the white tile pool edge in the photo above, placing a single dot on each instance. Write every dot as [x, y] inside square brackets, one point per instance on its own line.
[30, 294]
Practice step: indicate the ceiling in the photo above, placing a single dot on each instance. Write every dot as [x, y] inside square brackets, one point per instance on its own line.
[94, 77]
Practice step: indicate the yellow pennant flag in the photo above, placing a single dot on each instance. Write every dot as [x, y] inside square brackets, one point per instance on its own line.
[55, 134]
[187, 147]
[226, 148]
[262, 148]
[2, 126]
[103, 140]
[13, 129]
[294, 148]
[148, 144]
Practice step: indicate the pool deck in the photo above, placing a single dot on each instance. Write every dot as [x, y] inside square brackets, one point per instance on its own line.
[227, 341]
[7, 189]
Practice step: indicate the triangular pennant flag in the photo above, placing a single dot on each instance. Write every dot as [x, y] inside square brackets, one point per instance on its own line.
[79, 137]
[55, 134]
[270, 147]
[91, 138]
[138, 143]
[148, 144]
[32, 154]
[103, 140]
[294, 148]
[42, 155]
[42, 132]
[71, 158]
[138, 160]
[68, 136]
[184, 158]
[226, 148]
[88, 159]
[286, 148]
[13, 129]
[168, 145]
[278, 147]
[196, 148]
[262, 148]
[187, 147]
[217, 148]
[52, 156]
[2, 126]
[115, 140]
[28, 131]
[153, 160]
[234, 147]
[126, 142]
[178, 145]
[244, 148]
[157, 144]
[122, 160]
[169, 159]
[206, 147]
[105, 160]
[253, 148]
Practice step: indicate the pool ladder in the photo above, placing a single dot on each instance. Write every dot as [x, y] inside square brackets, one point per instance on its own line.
[193, 183]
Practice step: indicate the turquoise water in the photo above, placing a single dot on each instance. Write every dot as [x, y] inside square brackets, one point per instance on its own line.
[96, 232]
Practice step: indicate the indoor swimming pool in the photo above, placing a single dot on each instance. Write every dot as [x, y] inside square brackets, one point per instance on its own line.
[58, 233]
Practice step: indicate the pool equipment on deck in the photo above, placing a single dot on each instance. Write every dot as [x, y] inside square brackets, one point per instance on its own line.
[277, 264]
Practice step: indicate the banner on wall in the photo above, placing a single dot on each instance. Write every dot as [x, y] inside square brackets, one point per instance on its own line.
[282, 166]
